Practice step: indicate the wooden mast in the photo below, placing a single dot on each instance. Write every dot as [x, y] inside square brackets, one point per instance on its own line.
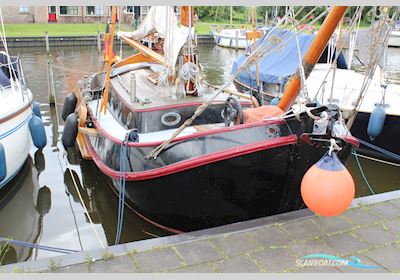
[311, 57]
[109, 59]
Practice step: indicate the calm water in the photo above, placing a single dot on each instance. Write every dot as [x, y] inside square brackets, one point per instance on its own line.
[44, 207]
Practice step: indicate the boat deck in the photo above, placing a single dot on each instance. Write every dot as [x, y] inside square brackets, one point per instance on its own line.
[11, 101]
[158, 96]
[370, 231]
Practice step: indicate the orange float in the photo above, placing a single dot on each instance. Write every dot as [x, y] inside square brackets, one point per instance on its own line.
[327, 187]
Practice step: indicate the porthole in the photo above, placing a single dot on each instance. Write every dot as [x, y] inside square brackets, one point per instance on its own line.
[170, 119]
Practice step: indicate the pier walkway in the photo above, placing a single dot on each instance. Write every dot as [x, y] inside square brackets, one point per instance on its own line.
[370, 231]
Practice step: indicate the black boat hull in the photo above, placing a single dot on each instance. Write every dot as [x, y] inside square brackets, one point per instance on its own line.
[262, 181]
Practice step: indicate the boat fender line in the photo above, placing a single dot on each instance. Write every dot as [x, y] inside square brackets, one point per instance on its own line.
[70, 131]
[3, 163]
[275, 101]
[38, 134]
[376, 121]
[69, 105]
[122, 185]
[36, 109]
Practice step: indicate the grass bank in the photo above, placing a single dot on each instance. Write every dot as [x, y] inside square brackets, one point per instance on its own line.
[54, 29]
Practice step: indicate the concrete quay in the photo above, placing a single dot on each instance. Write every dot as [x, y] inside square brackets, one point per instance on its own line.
[370, 231]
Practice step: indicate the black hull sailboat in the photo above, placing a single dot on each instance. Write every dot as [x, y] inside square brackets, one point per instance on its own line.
[201, 159]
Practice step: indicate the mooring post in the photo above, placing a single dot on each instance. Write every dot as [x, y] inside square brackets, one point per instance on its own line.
[50, 78]
[237, 38]
[46, 35]
[98, 41]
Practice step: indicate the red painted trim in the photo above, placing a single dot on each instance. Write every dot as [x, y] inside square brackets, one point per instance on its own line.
[195, 162]
[179, 138]
[166, 107]
[351, 140]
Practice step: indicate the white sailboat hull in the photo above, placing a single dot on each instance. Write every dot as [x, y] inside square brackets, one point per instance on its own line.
[394, 39]
[15, 138]
[227, 38]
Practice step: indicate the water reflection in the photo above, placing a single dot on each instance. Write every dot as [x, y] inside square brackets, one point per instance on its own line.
[22, 211]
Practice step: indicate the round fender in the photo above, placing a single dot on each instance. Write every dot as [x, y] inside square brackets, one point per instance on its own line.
[38, 134]
[69, 105]
[70, 131]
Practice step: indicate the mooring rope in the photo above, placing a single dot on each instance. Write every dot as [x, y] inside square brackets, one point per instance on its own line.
[38, 246]
[362, 172]
[84, 206]
[122, 186]
[379, 149]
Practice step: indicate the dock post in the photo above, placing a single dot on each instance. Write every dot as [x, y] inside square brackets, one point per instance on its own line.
[98, 41]
[237, 38]
[50, 78]
[46, 35]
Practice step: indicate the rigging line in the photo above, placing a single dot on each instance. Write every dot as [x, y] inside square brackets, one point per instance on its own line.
[84, 206]
[362, 172]
[357, 14]
[379, 160]
[255, 56]
[372, 66]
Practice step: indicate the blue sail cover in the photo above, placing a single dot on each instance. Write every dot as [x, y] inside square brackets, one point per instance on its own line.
[276, 66]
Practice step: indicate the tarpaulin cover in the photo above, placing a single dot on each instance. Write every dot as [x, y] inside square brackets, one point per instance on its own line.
[277, 66]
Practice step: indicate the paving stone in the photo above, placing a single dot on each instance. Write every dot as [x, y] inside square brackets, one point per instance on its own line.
[333, 224]
[116, 264]
[393, 226]
[237, 264]
[158, 260]
[271, 236]
[364, 260]
[235, 244]
[197, 252]
[275, 260]
[376, 235]
[395, 202]
[310, 247]
[200, 268]
[385, 210]
[344, 243]
[317, 269]
[302, 229]
[388, 257]
[361, 216]
[76, 268]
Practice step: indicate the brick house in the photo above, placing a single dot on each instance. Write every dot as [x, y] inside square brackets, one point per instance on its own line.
[73, 14]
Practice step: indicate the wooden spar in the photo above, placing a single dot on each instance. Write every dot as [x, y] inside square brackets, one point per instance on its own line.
[185, 20]
[253, 29]
[144, 50]
[109, 60]
[311, 57]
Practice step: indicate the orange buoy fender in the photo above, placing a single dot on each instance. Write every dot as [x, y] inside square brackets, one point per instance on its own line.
[327, 187]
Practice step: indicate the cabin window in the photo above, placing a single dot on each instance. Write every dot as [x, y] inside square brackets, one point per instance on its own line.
[129, 10]
[94, 10]
[23, 9]
[69, 10]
